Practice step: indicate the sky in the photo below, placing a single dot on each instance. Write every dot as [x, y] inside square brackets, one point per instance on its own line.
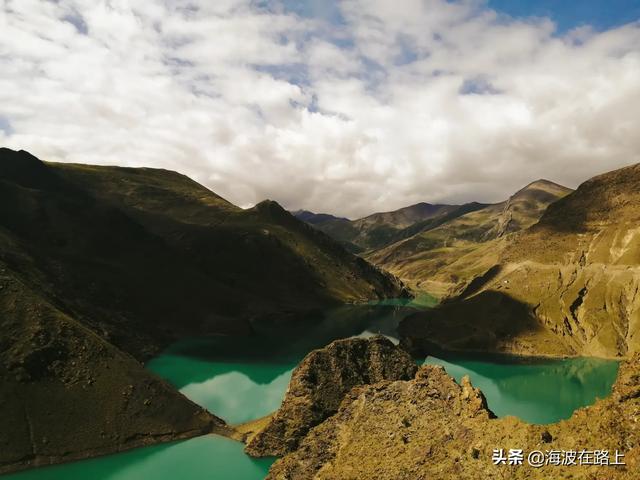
[346, 107]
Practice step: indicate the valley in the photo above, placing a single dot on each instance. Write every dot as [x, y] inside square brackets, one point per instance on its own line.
[139, 308]
[439, 247]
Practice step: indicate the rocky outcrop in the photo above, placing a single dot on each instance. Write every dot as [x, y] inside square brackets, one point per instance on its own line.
[568, 285]
[432, 428]
[320, 383]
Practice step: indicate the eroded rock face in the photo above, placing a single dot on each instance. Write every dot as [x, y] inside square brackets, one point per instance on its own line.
[320, 383]
[433, 428]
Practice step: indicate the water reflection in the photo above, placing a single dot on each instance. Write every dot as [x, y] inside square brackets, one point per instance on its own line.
[235, 391]
[537, 391]
[241, 379]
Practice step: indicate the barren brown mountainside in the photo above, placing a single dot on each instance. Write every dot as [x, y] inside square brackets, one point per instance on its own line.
[568, 285]
[438, 257]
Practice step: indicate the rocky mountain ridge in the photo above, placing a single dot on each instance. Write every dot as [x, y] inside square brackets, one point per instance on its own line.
[441, 256]
[378, 229]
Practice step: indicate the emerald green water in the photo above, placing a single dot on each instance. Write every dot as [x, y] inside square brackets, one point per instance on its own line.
[209, 457]
[537, 391]
[244, 379]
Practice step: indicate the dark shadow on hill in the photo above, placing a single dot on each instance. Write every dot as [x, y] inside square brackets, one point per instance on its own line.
[560, 217]
[142, 277]
[95, 262]
[591, 201]
[485, 322]
[433, 223]
[478, 282]
[88, 282]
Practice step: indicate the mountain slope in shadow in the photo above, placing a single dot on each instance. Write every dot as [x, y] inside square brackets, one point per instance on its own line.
[101, 267]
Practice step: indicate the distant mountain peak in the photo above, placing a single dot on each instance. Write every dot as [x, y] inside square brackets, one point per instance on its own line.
[420, 209]
[544, 184]
[543, 181]
[316, 218]
[271, 208]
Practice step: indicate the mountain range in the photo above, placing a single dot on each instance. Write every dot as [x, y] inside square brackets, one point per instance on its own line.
[416, 243]
[101, 267]
[549, 271]
[380, 229]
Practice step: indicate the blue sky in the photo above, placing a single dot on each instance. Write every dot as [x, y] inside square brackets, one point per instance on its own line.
[569, 14]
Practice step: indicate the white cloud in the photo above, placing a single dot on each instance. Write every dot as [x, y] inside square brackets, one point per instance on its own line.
[399, 103]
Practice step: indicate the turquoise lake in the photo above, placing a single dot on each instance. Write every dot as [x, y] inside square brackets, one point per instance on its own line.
[244, 379]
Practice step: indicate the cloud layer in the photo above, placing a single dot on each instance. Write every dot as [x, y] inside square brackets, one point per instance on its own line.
[352, 108]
